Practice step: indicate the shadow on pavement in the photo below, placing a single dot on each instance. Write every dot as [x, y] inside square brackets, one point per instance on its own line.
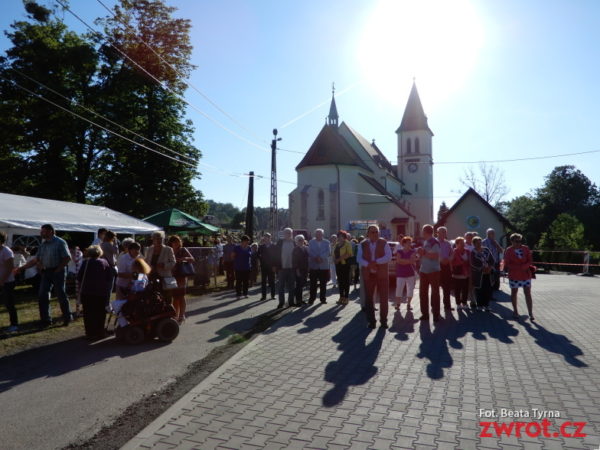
[402, 326]
[433, 347]
[555, 343]
[321, 320]
[294, 318]
[448, 332]
[62, 357]
[356, 364]
[229, 312]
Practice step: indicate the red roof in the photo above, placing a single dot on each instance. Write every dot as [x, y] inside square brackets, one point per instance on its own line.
[330, 148]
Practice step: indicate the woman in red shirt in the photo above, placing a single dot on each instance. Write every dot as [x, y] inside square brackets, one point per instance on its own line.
[517, 260]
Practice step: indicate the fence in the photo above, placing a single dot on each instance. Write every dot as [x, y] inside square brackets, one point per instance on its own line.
[206, 264]
[573, 261]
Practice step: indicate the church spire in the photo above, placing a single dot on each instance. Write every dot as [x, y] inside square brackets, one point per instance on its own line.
[332, 118]
[414, 117]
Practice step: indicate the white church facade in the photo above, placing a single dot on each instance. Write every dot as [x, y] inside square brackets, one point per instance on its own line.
[345, 181]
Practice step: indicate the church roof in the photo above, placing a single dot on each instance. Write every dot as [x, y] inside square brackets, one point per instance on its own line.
[414, 117]
[379, 188]
[372, 150]
[474, 193]
[331, 148]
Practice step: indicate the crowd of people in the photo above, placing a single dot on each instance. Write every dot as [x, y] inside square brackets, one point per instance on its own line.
[468, 268]
[105, 267]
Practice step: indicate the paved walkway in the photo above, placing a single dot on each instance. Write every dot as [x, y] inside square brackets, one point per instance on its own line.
[320, 379]
[47, 392]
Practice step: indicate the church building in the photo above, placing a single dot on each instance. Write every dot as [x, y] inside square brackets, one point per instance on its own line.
[345, 182]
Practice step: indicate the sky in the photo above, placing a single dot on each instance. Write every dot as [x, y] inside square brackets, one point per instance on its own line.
[498, 80]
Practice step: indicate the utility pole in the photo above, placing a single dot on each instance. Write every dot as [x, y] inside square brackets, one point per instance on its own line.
[250, 208]
[273, 211]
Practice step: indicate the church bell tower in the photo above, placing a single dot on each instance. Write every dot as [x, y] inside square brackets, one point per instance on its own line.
[415, 159]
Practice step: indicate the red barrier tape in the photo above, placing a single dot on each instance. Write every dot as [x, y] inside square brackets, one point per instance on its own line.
[566, 264]
[562, 251]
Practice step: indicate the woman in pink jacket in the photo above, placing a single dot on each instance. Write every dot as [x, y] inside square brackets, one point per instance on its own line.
[517, 260]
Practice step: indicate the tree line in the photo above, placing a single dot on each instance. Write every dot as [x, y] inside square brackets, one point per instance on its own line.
[564, 213]
[230, 216]
[111, 80]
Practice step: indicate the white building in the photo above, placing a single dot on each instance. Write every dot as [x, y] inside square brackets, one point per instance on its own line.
[344, 178]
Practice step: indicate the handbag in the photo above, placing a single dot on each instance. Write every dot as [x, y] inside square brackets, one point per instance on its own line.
[184, 269]
[169, 283]
[532, 271]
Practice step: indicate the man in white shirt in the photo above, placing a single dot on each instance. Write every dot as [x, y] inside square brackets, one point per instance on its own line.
[374, 255]
[319, 252]
[7, 282]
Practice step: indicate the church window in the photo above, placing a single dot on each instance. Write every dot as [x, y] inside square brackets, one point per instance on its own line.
[321, 205]
[303, 208]
[417, 149]
[333, 206]
[416, 187]
[408, 146]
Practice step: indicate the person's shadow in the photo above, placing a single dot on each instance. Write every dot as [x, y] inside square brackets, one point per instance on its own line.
[356, 364]
[435, 349]
[555, 343]
[321, 320]
[403, 326]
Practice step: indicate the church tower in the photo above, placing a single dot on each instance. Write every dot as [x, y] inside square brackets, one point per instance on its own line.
[332, 118]
[415, 159]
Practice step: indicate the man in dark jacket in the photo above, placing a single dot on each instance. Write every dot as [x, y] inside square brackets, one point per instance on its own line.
[300, 265]
[267, 274]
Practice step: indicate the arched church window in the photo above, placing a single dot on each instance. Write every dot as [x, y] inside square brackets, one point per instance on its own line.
[321, 205]
[408, 146]
[417, 149]
[416, 187]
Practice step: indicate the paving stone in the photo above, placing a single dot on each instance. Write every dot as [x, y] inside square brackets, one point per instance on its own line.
[316, 382]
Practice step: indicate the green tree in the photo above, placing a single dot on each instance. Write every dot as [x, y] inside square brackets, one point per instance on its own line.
[566, 190]
[524, 213]
[136, 180]
[44, 150]
[566, 232]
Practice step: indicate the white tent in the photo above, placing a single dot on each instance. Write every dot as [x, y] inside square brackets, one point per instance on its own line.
[25, 215]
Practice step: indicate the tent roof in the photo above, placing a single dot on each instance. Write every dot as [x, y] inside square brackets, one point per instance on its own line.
[20, 214]
[175, 219]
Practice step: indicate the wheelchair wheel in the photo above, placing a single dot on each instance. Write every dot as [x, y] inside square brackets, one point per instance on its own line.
[133, 335]
[167, 329]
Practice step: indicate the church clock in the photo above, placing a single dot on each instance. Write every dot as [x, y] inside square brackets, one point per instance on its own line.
[412, 167]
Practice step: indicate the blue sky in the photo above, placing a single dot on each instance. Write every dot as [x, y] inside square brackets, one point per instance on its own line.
[498, 80]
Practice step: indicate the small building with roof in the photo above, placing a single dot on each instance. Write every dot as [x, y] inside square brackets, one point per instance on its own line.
[345, 179]
[472, 212]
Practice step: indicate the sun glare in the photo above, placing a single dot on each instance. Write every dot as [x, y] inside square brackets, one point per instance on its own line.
[434, 41]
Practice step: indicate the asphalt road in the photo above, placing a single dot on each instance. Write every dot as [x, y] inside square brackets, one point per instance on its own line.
[65, 392]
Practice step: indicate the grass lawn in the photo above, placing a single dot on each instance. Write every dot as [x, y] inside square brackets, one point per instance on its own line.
[31, 336]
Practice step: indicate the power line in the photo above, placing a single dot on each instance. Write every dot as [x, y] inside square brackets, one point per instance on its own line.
[491, 161]
[102, 117]
[314, 108]
[41, 97]
[188, 83]
[530, 158]
[160, 83]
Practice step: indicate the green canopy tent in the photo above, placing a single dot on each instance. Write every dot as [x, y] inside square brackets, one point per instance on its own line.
[176, 221]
